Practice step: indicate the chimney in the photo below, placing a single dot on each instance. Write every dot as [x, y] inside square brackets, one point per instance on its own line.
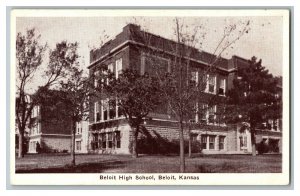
[131, 27]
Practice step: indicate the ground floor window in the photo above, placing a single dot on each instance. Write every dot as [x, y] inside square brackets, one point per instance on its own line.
[221, 142]
[78, 145]
[243, 141]
[108, 140]
[194, 137]
[118, 139]
[212, 142]
[96, 144]
[203, 141]
[103, 139]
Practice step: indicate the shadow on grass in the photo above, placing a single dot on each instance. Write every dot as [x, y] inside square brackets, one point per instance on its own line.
[234, 156]
[80, 168]
[223, 168]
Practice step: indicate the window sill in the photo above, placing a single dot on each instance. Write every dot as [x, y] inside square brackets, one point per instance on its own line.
[212, 93]
[102, 121]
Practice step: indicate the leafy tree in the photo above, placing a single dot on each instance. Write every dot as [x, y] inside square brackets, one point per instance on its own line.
[29, 58]
[73, 89]
[255, 97]
[76, 94]
[136, 96]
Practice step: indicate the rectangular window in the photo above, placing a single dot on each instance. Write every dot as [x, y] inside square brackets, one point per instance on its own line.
[194, 78]
[77, 128]
[212, 142]
[222, 87]
[118, 109]
[275, 124]
[194, 137]
[118, 67]
[118, 139]
[110, 139]
[37, 127]
[95, 141]
[96, 79]
[197, 112]
[110, 68]
[221, 142]
[103, 140]
[212, 114]
[97, 112]
[211, 84]
[203, 141]
[112, 109]
[243, 142]
[203, 113]
[105, 109]
[78, 145]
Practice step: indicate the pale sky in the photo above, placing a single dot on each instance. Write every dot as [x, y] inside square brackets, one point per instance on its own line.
[264, 40]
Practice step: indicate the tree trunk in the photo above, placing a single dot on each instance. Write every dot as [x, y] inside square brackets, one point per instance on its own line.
[181, 142]
[253, 141]
[190, 143]
[73, 144]
[21, 150]
[134, 142]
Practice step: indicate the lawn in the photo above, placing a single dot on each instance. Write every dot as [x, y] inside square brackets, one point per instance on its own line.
[59, 163]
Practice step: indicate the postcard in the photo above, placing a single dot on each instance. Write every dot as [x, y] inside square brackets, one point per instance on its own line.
[150, 97]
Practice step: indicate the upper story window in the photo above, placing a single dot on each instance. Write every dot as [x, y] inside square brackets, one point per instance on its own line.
[97, 112]
[203, 112]
[119, 112]
[77, 128]
[212, 114]
[194, 78]
[105, 110]
[112, 109]
[36, 128]
[96, 79]
[211, 84]
[222, 86]
[35, 111]
[110, 67]
[119, 67]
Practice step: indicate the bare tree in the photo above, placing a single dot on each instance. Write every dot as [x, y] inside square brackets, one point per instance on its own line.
[76, 94]
[184, 87]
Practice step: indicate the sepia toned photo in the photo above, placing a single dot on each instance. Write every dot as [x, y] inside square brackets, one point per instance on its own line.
[150, 97]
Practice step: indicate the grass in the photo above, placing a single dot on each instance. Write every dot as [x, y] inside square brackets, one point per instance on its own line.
[59, 163]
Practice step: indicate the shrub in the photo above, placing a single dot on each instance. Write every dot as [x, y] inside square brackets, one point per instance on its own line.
[262, 147]
[159, 145]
